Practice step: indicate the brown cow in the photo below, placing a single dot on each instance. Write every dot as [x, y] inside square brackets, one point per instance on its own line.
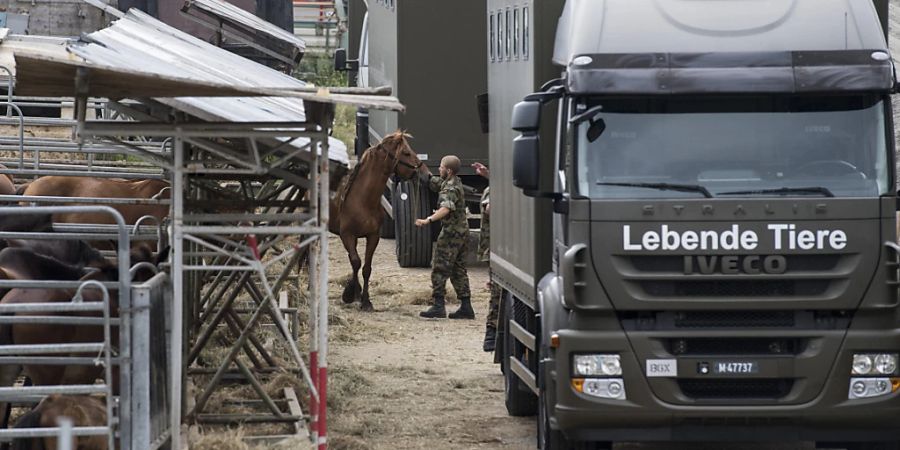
[356, 210]
[59, 186]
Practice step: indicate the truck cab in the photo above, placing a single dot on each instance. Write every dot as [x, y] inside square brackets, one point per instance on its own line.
[721, 239]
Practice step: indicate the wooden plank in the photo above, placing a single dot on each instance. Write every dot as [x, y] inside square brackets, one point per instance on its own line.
[294, 408]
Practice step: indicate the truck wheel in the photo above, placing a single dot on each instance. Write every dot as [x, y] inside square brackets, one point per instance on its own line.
[520, 401]
[886, 445]
[387, 227]
[413, 243]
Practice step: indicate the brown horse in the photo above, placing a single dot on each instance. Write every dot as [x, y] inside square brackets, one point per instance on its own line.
[356, 211]
[24, 263]
[7, 185]
[59, 186]
[83, 410]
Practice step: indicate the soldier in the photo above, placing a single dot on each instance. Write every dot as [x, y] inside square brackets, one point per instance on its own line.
[449, 258]
[484, 253]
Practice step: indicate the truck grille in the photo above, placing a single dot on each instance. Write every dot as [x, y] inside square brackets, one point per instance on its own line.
[734, 319]
[735, 288]
[663, 277]
[709, 389]
[735, 346]
[797, 263]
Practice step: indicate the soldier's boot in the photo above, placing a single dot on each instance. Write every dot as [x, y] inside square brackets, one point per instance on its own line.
[465, 310]
[436, 311]
[490, 339]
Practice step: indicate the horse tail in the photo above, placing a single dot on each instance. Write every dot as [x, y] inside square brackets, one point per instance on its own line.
[21, 189]
[30, 420]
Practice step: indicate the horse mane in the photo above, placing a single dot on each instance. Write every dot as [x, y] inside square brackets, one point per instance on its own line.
[366, 156]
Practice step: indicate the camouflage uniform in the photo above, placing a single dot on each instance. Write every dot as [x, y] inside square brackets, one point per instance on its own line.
[484, 253]
[449, 257]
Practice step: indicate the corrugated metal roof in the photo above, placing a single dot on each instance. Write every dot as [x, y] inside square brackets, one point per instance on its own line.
[138, 57]
[244, 19]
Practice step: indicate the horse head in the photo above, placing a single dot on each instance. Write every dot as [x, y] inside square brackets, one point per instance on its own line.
[406, 162]
[145, 262]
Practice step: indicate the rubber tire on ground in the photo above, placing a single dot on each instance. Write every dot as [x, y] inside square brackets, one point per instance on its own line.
[387, 227]
[520, 401]
[886, 445]
[413, 244]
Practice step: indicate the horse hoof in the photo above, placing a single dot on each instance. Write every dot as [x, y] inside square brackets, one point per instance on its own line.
[367, 307]
[348, 298]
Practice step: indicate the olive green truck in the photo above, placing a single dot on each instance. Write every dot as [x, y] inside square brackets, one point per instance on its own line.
[694, 220]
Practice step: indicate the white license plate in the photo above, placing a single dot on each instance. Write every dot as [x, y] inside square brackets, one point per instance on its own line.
[735, 367]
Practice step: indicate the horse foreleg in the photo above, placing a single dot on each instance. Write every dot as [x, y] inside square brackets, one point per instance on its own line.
[351, 290]
[371, 244]
[8, 375]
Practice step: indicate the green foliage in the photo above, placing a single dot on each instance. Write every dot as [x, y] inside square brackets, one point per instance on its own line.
[318, 69]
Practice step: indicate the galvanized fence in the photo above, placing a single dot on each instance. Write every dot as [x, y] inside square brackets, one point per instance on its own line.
[151, 400]
[89, 312]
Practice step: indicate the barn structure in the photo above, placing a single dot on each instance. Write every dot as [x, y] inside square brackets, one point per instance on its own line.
[245, 156]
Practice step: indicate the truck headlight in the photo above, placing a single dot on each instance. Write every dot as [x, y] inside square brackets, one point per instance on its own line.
[612, 388]
[874, 364]
[597, 365]
[872, 387]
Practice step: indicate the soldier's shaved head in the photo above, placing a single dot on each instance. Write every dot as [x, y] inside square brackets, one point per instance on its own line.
[451, 163]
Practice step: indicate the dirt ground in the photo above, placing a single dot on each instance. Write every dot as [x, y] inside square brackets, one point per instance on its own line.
[403, 382]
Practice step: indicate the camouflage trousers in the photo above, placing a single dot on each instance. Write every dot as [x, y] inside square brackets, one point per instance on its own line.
[449, 261]
[493, 315]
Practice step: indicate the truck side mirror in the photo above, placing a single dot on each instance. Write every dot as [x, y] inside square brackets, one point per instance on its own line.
[526, 160]
[341, 64]
[526, 116]
[340, 59]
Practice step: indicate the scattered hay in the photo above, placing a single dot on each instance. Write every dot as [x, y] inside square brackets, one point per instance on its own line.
[290, 444]
[275, 386]
[344, 384]
[347, 443]
[220, 440]
[415, 296]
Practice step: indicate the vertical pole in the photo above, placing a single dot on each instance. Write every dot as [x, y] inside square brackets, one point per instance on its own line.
[125, 351]
[177, 290]
[323, 293]
[314, 288]
[64, 440]
[140, 388]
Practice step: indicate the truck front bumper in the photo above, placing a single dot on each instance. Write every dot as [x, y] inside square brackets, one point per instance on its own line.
[817, 409]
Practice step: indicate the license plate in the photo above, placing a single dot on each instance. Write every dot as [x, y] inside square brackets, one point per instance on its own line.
[735, 367]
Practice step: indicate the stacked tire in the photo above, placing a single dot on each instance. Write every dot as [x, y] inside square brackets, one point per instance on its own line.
[387, 227]
[411, 200]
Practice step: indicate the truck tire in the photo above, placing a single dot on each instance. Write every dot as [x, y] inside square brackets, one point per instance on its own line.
[520, 401]
[387, 227]
[413, 244]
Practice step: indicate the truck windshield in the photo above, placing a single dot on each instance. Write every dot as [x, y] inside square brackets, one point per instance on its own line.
[733, 147]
